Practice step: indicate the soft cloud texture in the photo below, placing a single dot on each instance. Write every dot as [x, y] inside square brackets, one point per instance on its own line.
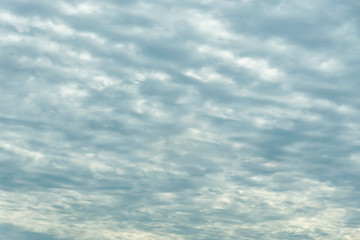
[179, 120]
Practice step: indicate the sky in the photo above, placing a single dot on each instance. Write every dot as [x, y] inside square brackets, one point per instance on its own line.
[177, 120]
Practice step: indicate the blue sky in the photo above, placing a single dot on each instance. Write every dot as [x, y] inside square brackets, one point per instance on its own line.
[179, 119]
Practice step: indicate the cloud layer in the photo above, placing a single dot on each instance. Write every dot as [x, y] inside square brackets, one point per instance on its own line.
[179, 120]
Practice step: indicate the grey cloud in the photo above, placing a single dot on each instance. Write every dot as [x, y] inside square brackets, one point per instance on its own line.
[187, 120]
[11, 232]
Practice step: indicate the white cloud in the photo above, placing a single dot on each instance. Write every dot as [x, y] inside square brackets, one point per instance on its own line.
[179, 120]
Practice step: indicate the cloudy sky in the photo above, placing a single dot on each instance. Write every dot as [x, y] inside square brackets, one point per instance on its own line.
[162, 120]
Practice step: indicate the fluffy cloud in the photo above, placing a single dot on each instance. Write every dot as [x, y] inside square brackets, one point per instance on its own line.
[186, 120]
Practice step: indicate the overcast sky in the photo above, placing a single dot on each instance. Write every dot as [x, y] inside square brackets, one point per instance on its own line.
[162, 120]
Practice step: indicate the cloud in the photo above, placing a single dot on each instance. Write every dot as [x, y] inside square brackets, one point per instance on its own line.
[186, 120]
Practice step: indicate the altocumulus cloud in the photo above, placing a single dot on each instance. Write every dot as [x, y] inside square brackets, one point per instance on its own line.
[179, 119]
